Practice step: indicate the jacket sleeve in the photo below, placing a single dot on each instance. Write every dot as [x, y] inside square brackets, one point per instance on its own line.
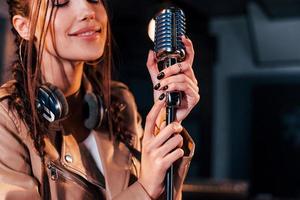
[181, 166]
[136, 191]
[16, 181]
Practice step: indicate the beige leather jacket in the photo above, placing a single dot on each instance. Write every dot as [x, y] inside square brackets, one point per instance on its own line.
[69, 178]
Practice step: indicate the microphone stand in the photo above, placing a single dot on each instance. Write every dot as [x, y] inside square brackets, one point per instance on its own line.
[173, 102]
[171, 111]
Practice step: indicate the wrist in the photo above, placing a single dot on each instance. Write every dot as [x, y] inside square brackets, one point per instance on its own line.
[142, 185]
[151, 191]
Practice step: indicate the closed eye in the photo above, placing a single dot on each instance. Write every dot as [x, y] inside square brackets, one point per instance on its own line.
[62, 3]
[94, 1]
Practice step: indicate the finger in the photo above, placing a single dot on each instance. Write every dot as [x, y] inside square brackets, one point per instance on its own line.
[192, 95]
[180, 144]
[177, 79]
[190, 53]
[180, 78]
[183, 67]
[152, 66]
[169, 145]
[188, 89]
[175, 69]
[166, 133]
[151, 118]
[170, 158]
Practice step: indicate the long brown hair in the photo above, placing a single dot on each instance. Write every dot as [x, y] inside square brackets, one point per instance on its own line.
[27, 72]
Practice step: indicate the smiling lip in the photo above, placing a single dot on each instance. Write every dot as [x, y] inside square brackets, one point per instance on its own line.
[86, 32]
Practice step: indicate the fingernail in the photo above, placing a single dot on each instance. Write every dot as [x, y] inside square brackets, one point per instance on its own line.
[161, 75]
[157, 86]
[177, 126]
[162, 96]
[165, 87]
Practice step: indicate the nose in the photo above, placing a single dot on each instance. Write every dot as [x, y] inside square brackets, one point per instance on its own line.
[86, 11]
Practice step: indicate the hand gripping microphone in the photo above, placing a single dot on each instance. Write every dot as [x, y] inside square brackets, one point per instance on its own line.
[169, 27]
[169, 49]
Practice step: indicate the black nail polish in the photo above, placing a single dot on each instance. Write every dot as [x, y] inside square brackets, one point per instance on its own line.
[157, 86]
[161, 75]
[162, 96]
[165, 87]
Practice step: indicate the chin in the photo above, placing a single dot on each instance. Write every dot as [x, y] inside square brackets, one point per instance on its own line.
[92, 53]
[92, 58]
[88, 56]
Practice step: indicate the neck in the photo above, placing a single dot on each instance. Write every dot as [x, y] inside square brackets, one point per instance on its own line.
[74, 124]
[65, 75]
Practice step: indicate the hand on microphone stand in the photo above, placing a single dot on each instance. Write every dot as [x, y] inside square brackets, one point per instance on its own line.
[159, 152]
[178, 77]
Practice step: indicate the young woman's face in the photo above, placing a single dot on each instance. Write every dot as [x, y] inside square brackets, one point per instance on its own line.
[77, 31]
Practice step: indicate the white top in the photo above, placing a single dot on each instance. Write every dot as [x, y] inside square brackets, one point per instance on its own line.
[91, 145]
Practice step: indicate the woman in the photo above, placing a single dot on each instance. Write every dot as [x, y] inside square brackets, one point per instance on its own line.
[63, 49]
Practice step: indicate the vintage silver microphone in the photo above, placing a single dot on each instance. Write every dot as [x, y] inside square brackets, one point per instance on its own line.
[169, 49]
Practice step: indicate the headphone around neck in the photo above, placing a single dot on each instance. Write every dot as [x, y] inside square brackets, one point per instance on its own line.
[52, 106]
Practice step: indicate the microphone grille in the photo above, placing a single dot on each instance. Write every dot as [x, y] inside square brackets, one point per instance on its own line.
[169, 27]
[180, 28]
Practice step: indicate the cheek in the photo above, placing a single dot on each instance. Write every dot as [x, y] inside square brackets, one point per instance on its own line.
[101, 15]
[56, 34]
[59, 27]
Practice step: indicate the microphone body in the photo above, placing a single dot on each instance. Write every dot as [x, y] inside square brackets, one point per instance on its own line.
[169, 49]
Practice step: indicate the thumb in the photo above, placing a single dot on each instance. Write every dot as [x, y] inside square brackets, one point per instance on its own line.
[152, 118]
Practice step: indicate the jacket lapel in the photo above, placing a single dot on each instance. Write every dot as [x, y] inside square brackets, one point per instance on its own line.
[116, 163]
